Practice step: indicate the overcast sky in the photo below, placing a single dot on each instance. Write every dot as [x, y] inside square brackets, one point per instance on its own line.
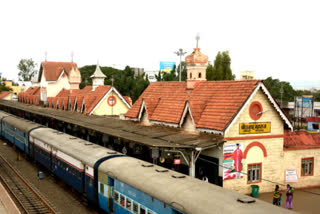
[273, 38]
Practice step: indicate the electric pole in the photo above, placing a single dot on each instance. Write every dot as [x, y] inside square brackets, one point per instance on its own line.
[180, 53]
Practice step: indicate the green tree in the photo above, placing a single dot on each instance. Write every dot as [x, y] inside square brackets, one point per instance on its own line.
[274, 87]
[316, 97]
[27, 69]
[220, 70]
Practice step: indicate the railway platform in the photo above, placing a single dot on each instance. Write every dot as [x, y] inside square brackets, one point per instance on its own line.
[7, 206]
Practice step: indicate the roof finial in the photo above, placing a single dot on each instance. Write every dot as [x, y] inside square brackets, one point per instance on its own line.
[72, 54]
[45, 55]
[198, 38]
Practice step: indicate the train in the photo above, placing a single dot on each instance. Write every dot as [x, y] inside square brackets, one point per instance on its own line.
[116, 183]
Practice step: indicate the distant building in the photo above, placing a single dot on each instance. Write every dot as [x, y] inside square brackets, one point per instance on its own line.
[138, 71]
[6, 95]
[55, 76]
[313, 124]
[151, 75]
[15, 89]
[247, 75]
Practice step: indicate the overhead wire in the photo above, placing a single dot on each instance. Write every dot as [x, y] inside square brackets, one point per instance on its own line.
[267, 180]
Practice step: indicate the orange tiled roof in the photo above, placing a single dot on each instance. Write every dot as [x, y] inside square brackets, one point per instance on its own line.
[128, 99]
[4, 94]
[301, 140]
[213, 104]
[33, 91]
[52, 70]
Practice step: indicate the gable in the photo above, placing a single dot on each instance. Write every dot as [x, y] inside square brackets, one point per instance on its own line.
[268, 114]
[111, 104]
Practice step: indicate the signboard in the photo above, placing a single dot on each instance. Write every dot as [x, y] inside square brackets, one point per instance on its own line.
[177, 161]
[291, 175]
[232, 161]
[155, 153]
[167, 66]
[304, 102]
[254, 128]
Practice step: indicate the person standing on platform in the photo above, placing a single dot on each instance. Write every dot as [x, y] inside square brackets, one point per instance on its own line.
[276, 196]
[289, 194]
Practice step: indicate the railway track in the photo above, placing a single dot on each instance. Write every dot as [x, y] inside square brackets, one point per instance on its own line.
[27, 197]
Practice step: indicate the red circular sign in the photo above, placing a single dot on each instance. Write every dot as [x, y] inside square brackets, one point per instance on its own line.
[112, 100]
[255, 110]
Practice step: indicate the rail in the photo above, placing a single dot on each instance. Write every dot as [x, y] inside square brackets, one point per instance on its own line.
[27, 197]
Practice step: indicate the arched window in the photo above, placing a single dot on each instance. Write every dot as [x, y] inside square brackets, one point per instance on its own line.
[190, 75]
[199, 74]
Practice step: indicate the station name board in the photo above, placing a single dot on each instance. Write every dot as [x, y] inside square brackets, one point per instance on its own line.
[255, 128]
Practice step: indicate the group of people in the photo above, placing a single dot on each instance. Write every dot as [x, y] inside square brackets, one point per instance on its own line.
[277, 196]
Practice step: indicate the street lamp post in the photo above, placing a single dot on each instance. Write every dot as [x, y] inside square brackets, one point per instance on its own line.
[180, 53]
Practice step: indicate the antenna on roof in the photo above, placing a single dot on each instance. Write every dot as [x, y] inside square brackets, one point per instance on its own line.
[45, 55]
[72, 54]
[198, 38]
[112, 80]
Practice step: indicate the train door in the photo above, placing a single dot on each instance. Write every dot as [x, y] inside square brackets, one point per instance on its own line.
[110, 193]
[209, 167]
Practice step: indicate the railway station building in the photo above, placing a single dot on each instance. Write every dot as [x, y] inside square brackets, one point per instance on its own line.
[258, 144]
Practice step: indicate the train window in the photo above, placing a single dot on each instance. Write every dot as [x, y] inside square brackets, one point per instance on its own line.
[128, 204]
[122, 200]
[116, 197]
[102, 188]
[135, 207]
[142, 210]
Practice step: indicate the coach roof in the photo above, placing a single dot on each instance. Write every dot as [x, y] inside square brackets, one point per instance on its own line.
[82, 150]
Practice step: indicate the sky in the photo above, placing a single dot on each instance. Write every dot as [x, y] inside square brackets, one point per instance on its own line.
[273, 38]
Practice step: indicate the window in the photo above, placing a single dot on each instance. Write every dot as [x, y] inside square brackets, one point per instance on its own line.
[102, 188]
[199, 75]
[142, 210]
[190, 75]
[116, 197]
[122, 200]
[128, 204]
[315, 126]
[135, 207]
[254, 173]
[307, 166]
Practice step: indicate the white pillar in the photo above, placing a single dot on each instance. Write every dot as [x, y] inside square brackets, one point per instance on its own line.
[192, 165]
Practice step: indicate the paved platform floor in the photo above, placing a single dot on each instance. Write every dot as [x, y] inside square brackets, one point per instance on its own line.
[303, 202]
[7, 206]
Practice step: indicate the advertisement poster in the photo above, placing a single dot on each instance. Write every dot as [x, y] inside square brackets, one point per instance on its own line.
[291, 175]
[166, 66]
[232, 161]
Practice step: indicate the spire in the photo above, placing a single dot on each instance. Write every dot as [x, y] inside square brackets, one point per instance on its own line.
[197, 38]
[97, 78]
[98, 73]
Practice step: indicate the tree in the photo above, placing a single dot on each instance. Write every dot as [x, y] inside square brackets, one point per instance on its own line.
[27, 69]
[220, 70]
[274, 87]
